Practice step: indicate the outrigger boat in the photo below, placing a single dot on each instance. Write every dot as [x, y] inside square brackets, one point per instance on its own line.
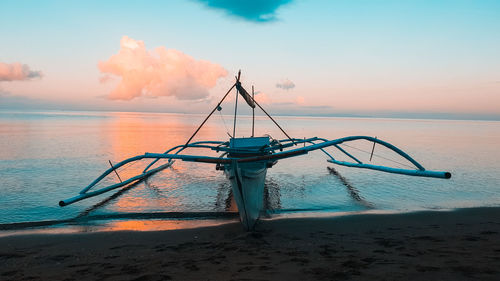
[245, 161]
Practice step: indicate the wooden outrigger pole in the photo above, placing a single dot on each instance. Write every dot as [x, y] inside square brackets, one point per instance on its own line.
[315, 144]
[246, 160]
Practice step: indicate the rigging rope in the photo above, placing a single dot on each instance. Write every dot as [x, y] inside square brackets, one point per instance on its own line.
[225, 126]
[394, 161]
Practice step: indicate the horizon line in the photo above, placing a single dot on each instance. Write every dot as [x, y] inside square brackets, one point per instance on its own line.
[381, 115]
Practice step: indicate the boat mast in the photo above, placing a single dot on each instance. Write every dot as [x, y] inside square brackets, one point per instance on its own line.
[236, 104]
[252, 103]
[253, 114]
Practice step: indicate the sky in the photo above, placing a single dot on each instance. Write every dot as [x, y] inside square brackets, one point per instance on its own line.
[409, 59]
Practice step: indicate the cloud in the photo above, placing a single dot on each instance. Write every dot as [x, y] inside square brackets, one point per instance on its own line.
[160, 72]
[262, 98]
[285, 85]
[17, 72]
[294, 108]
[258, 11]
[300, 100]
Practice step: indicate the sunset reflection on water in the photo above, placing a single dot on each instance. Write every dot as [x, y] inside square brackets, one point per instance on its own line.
[130, 136]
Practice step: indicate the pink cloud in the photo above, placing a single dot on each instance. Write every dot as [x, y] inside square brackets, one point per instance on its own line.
[300, 100]
[262, 98]
[17, 71]
[160, 72]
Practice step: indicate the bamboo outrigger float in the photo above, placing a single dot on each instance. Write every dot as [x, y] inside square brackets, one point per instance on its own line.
[245, 161]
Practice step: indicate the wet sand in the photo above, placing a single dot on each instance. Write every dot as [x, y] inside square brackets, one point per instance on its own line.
[458, 245]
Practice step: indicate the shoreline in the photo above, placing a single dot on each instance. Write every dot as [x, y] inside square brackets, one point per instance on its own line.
[163, 221]
[437, 245]
[91, 222]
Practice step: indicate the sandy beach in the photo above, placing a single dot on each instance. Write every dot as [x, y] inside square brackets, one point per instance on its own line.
[458, 245]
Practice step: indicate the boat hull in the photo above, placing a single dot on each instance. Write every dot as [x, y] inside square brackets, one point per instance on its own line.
[247, 182]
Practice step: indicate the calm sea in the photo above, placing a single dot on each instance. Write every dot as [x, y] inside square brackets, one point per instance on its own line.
[49, 156]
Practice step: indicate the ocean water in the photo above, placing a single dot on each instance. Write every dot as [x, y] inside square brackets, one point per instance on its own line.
[49, 156]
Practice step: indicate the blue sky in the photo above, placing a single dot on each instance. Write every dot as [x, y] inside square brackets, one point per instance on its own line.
[378, 58]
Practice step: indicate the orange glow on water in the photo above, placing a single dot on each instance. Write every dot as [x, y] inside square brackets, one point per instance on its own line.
[133, 225]
[130, 136]
[151, 225]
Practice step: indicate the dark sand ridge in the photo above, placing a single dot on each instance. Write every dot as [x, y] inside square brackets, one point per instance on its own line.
[458, 245]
